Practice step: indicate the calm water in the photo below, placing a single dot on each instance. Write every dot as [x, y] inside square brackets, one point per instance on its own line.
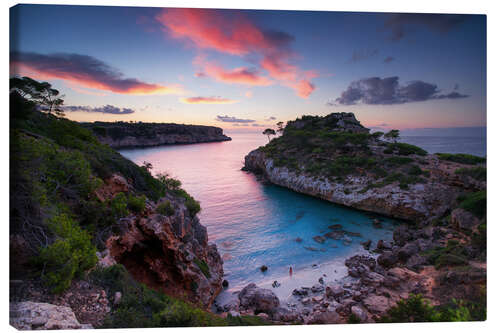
[255, 224]
[449, 144]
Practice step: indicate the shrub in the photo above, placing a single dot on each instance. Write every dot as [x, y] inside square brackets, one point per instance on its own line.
[461, 158]
[192, 205]
[136, 204]
[478, 173]
[202, 265]
[398, 160]
[165, 208]
[68, 256]
[475, 203]
[453, 254]
[407, 149]
[413, 309]
[119, 205]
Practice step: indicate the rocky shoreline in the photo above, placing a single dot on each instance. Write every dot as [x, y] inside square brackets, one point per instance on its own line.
[120, 135]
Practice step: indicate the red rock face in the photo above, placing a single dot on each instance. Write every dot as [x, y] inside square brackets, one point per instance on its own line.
[170, 254]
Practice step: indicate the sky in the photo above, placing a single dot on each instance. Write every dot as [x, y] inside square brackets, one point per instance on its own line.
[248, 69]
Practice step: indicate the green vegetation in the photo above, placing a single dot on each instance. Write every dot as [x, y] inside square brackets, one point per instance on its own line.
[405, 149]
[478, 173]
[453, 254]
[165, 208]
[416, 309]
[142, 307]
[202, 265]
[475, 203]
[136, 204]
[397, 160]
[462, 158]
[392, 135]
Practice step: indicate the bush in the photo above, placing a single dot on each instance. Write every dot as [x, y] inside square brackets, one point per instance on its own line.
[406, 149]
[165, 208]
[475, 203]
[453, 254]
[398, 160]
[136, 204]
[413, 309]
[119, 206]
[478, 173]
[461, 158]
[68, 256]
[192, 205]
[202, 265]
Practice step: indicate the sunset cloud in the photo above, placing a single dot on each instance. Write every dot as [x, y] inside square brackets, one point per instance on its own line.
[233, 33]
[383, 91]
[207, 100]
[228, 119]
[240, 75]
[102, 109]
[85, 71]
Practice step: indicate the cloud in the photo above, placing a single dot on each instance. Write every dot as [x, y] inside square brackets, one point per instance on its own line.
[103, 109]
[84, 70]
[400, 24]
[271, 118]
[258, 125]
[376, 91]
[388, 59]
[207, 100]
[228, 119]
[360, 55]
[231, 32]
[240, 75]
[248, 94]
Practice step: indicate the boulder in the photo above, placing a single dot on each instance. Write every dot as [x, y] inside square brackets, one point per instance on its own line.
[383, 245]
[359, 313]
[462, 219]
[401, 235]
[319, 239]
[334, 290]
[408, 250]
[258, 299]
[387, 259]
[317, 288]
[326, 317]
[285, 315]
[376, 304]
[45, 316]
[304, 291]
[367, 244]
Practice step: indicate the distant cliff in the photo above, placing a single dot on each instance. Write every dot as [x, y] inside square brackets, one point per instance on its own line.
[128, 135]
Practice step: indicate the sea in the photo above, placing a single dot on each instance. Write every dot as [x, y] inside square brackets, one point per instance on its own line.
[256, 224]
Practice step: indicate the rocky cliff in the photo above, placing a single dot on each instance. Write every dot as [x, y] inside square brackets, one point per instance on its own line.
[335, 159]
[127, 135]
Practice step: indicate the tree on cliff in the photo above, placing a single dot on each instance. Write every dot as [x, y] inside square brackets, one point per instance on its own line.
[280, 127]
[392, 135]
[41, 93]
[269, 132]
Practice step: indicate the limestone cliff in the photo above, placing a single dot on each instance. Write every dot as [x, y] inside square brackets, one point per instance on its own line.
[127, 135]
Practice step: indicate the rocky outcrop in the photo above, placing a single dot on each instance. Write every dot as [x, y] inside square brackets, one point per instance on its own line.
[258, 299]
[169, 253]
[127, 135]
[43, 316]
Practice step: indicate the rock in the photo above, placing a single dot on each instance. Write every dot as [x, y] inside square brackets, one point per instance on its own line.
[258, 299]
[311, 248]
[336, 234]
[462, 219]
[117, 298]
[334, 290]
[407, 250]
[305, 300]
[326, 317]
[317, 288]
[376, 304]
[387, 259]
[32, 315]
[276, 284]
[377, 224]
[298, 240]
[304, 291]
[263, 268]
[225, 283]
[317, 299]
[321, 280]
[353, 234]
[359, 312]
[401, 235]
[285, 315]
[373, 279]
[232, 305]
[335, 227]
[263, 315]
[416, 261]
[234, 314]
[366, 244]
[383, 245]
[319, 239]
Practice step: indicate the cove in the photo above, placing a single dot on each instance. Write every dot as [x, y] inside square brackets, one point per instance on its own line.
[255, 224]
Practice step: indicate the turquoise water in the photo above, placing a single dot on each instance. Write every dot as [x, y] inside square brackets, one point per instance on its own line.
[254, 224]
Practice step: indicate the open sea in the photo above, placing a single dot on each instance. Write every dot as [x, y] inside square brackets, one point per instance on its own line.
[255, 224]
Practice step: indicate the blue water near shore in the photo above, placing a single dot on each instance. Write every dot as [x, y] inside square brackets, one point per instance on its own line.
[254, 224]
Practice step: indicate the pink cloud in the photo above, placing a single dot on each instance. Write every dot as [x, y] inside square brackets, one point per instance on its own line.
[235, 34]
[207, 100]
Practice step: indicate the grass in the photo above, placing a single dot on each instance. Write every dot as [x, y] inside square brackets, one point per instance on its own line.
[475, 203]
[478, 173]
[202, 265]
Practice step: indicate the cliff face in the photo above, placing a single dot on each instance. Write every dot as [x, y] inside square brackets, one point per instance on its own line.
[169, 254]
[126, 135]
[347, 166]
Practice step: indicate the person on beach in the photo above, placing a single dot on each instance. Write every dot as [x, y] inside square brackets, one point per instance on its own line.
[290, 271]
